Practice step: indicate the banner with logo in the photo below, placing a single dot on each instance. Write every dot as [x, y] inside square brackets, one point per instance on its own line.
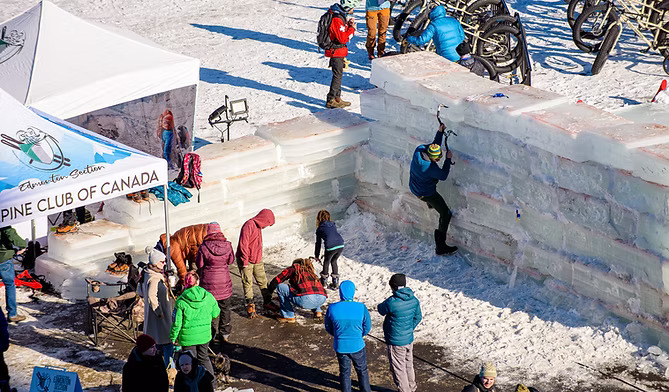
[54, 379]
[48, 165]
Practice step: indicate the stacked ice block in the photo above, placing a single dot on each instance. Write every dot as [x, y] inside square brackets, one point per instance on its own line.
[294, 168]
[560, 190]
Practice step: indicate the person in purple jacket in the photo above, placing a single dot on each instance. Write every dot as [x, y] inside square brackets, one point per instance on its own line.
[213, 260]
[334, 244]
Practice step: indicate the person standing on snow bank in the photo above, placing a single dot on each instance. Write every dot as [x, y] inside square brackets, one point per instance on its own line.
[349, 321]
[9, 240]
[249, 258]
[445, 31]
[304, 290]
[341, 31]
[484, 381]
[144, 370]
[402, 311]
[213, 262]
[377, 13]
[158, 305]
[333, 243]
[424, 174]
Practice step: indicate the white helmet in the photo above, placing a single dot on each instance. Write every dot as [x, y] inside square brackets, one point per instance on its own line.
[348, 5]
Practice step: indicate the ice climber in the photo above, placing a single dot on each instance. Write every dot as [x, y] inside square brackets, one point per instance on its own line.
[341, 30]
[424, 174]
[349, 321]
[484, 381]
[402, 315]
[445, 31]
[249, 258]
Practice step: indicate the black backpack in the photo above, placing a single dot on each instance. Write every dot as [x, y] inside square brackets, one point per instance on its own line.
[323, 37]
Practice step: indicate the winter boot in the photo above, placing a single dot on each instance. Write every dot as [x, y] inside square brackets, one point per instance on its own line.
[440, 242]
[251, 310]
[342, 103]
[333, 104]
[335, 282]
[324, 281]
[318, 314]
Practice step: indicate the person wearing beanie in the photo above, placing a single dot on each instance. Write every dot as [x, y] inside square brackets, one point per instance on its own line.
[402, 315]
[196, 308]
[341, 31]
[466, 60]
[213, 261]
[144, 370]
[158, 303]
[249, 258]
[424, 175]
[485, 380]
[191, 376]
[349, 321]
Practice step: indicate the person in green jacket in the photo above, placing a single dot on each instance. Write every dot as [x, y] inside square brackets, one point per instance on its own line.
[194, 311]
[9, 240]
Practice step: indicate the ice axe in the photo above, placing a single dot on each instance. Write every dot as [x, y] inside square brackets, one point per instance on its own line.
[448, 132]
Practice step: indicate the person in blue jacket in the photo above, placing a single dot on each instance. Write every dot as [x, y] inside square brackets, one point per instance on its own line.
[326, 232]
[402, 311]
[349, 321]
[445, 31]
[424, 174]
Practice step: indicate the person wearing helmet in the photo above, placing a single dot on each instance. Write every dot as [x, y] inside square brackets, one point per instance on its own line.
[341, 31]
[424, 174]
[445, 31]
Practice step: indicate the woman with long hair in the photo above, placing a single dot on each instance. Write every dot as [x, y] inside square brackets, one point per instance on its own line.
[326, 232]
[303, 290]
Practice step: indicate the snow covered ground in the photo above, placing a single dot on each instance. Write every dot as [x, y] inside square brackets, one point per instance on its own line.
[265, 51]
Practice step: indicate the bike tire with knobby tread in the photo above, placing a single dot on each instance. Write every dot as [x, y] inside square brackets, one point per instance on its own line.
[516, 53]
[577, 32]
[609, 41]
[402, 17]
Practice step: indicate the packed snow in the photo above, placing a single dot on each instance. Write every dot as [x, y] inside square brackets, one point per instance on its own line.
[265, 51]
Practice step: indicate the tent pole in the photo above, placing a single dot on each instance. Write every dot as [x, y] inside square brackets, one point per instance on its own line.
[167, 231]
[32, 230]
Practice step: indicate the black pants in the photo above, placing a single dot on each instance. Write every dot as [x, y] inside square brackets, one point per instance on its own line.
[330, 258]
[437, 202]
[221, 325]
[337, 65]
[4, 373]
[201, 352]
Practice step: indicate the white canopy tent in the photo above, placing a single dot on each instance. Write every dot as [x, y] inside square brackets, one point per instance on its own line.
[48, 165]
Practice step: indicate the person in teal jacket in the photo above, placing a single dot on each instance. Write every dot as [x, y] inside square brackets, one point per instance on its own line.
[9, 242]
[445, 31]
[349, 321]
[193, 313]
[402, 311]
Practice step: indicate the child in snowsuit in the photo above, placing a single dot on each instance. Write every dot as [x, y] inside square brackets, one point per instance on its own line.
[326, 232]
[191, 376]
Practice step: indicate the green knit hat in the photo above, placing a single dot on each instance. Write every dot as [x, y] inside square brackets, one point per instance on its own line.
[434, 151]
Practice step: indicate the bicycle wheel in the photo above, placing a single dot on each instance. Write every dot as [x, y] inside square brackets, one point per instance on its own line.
[490, 71]
[480, 11]
[502, 46]
[609, 41]
[663, 40]
[576, 7]
[405, 18]
[591, 26]
[497, 20]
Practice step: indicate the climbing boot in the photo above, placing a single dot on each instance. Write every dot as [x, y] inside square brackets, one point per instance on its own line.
[335, 282]
[333, 104]
[342, 103]
[251, 310]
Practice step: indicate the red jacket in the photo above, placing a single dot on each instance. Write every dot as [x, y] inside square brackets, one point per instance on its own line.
[340, 33]
[249, 249]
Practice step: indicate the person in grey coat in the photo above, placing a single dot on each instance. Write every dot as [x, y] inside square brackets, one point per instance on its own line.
[158, 304]
[402, 311]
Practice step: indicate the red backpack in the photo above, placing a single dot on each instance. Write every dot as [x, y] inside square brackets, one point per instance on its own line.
[190, 175]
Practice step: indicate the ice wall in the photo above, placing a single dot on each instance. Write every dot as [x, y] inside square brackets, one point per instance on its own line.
[591, 188]
[294, 167]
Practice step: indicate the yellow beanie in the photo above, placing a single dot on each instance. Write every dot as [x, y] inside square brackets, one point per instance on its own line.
[434, 151]
[521, 388]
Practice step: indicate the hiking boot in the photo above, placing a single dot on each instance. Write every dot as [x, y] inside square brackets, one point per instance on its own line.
[371, 56]
[342, 103]
[333, 104]
[251, 310]
[335, 282]
[288, 320]
[144, 194]
[17, 318]
[271, 306]
[324, 281]
[63, 228]
[318, 315]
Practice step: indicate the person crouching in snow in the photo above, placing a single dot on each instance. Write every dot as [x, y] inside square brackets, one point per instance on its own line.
[445, 31]
[326, 232]
[249, 258]
[424, 174]
[195, 310]
[349, 321]
[213, 262]
[144, 370]
[402, 311]
[191, 376]
[303, 290]
[484, 381]
[341, 31]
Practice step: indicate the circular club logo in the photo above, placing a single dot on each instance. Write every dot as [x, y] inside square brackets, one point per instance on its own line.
[37, 149]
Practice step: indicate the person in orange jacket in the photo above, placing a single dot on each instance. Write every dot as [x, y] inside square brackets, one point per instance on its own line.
[184, 244]
[341, 31]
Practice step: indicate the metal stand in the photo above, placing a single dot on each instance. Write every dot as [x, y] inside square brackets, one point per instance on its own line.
[231, 111]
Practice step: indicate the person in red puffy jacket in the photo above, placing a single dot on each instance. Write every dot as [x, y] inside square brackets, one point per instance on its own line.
[249, 258]
[213, 263]
[341, 31]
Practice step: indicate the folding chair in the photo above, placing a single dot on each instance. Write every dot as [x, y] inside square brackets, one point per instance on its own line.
[111, 316]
